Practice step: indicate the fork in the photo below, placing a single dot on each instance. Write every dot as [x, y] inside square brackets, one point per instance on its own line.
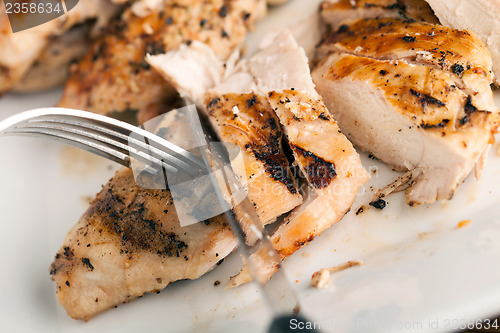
[104, 136]
[122, 142]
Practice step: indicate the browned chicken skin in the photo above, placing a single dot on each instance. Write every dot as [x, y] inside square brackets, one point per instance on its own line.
[478, 16]
[335, 13]
[114, 76]
[456, 51]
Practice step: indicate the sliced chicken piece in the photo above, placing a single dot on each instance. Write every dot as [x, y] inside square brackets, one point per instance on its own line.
[411, 116]
[52, 66]
[325, 156]
[114, 76]
[457, 51]
[479, 16]
[129, 242]
[19, 51]
[336, 12]
[224, 93]
[248, 121]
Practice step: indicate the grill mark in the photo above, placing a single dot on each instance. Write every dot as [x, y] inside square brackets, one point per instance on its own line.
[441, 124]
[343, 28]
[426, 99]
[469, 109]
[213, 102]
[86, 262]
[270, 153]
[251, 101]
[457, 69]
[275, 162]
[320, 173]
[323, 116]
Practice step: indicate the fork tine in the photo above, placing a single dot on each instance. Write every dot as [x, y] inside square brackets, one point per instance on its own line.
[97, 149]
[143, 152]
[107, 128]
[87, 142]
[177, 160]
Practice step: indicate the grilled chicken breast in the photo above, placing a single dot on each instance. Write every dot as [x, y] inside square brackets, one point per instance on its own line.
[240, 117]
[479, 16]
[432, 82]
[327, 160]
[113, 76]
[413, 117]
[459, 52]
[51, 68]
[336, 12]
[18, 52]
[225, 93]
[325, 156]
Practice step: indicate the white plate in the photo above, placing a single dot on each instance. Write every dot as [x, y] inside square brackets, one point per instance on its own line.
[421, 272]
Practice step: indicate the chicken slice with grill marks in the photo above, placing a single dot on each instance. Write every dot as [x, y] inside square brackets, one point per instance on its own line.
[320, 149]
[411, 116]
[479, 16]
[336, 12]
[239, 116]
[114, 76]
[325, 156]
[248, 121]
[19, 51]
[457, 51]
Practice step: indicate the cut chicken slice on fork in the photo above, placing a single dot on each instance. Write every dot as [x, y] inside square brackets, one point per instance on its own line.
[240, 117]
